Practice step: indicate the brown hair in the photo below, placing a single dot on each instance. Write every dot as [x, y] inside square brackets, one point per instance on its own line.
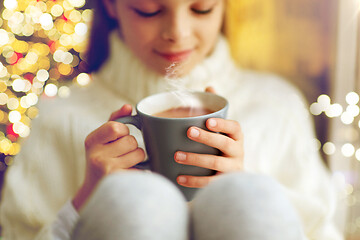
[98, 49]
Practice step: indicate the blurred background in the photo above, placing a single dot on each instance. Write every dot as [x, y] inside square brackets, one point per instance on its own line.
[314, 44]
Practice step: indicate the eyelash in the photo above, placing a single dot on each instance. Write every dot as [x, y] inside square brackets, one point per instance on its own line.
[202, 11]
[146, 14]
[153, 14]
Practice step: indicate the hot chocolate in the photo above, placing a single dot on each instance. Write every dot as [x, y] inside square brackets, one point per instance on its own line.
[183, 112]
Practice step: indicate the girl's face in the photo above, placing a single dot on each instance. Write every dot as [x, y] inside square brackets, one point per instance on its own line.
[164, 32]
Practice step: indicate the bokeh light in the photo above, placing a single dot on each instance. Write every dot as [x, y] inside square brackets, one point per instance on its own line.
[40, 47]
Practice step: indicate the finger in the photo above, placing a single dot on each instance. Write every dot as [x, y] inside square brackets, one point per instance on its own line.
[106, 133]
[224, 143]
[119, 147]
[210, 90]
[126, 161]
[193, 181]
[217, 163]
[229, 127]
[122, 112]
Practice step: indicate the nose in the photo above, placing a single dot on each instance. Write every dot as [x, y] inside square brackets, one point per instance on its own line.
[176, 28]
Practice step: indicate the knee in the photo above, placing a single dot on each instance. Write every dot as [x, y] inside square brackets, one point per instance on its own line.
[243, 193]
[138, 186]
[245, 203]
[235, 186]
[143, 203]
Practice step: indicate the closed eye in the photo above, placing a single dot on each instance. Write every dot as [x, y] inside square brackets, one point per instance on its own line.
[146, 14]
[197, 11]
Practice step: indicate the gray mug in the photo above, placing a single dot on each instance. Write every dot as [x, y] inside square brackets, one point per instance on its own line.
[164, 136]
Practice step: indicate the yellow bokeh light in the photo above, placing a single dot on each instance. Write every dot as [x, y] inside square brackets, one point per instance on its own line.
[67, 5]
[41, 49]
[352, 98]
[6, 14]
[4, 119]
[335, 110]
[3, 72]
[83, 79]
[28, 30]
[13, 103]
[57, 10]
[67, 58]
[31, 57]
[32, 112]
[4, 37]
[2, 116]
[3, 86]
[54, 34]
[329, 148]
[51, 90]
[5, 145]
[17, 148]
[14, 116]
[64, 92]
[353, 110]
[324, 101]
[347, 118]
[315, 109]
[65, 69]
[77, 3]
[20, 46]
[42, 75]
[44, 63]
[3, 98]
[65, 40]
[87, 15]
[68, 28]
[10, 4]
[348, 150]
[25, 119]
[75, 16]
[81, 29]
[41, 6]
[357, 154]
[46, 21]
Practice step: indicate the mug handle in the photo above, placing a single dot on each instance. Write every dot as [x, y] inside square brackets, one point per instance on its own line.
[133, 120]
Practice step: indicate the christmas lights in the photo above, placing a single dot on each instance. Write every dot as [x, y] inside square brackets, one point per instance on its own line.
[40, 46]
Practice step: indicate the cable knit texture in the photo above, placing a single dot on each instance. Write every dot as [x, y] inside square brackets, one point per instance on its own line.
[277, 129]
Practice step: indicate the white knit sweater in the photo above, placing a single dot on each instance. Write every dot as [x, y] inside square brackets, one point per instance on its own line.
[277, 129]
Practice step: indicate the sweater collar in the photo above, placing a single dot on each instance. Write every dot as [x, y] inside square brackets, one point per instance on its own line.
[127, 77]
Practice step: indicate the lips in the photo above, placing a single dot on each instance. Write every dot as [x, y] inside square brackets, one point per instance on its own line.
[175, 56]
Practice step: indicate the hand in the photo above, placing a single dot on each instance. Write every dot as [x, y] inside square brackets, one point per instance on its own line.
[109, 148]
[230, 143]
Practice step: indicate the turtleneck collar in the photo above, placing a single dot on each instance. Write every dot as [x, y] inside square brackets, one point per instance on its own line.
[125, 75]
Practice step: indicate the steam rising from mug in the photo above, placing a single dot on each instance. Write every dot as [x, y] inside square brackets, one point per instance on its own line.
[176, 86]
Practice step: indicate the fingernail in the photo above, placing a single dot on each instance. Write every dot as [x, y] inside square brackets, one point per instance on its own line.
[212, 122]
[194, 132]
[180, 156]
[181, 179]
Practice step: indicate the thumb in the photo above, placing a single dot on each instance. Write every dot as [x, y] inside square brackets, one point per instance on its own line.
[210, 90]
[122, 112]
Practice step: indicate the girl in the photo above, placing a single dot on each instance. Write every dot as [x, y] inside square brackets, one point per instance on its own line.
[271, 184]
